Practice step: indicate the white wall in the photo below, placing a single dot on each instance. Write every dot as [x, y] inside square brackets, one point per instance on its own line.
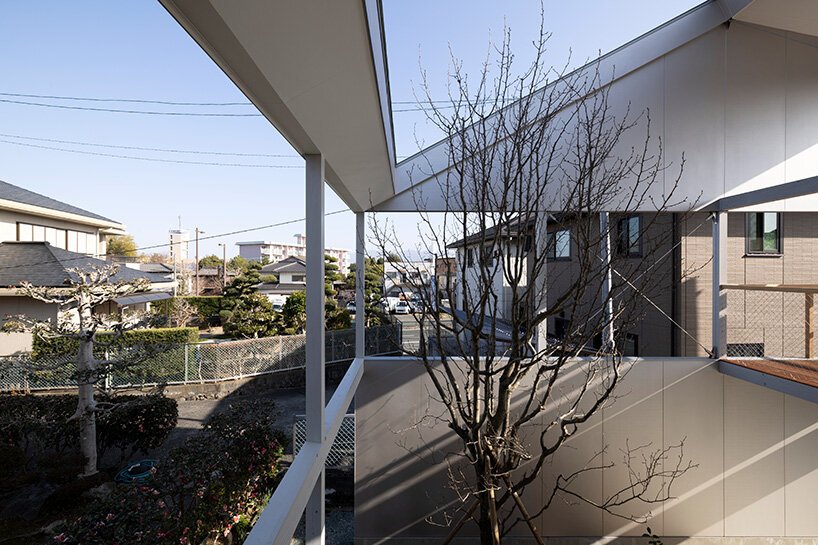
[755, 448]
[8, 228]
[738, 102]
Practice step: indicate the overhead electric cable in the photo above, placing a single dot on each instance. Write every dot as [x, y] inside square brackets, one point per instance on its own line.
[123, 111]
[149, 159]
[129, 100]
[162, 150]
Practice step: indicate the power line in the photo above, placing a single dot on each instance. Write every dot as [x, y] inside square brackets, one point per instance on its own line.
[149, 159]
[129, 100]
[167, 244]
[138, 148]
[440, 104]
[123, 111]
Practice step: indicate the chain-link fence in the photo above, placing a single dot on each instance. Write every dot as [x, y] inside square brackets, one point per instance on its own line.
[770, 323]
[342, 452]
[191, 363]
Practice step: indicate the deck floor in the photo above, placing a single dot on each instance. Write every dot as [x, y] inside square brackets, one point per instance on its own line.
[802, 371]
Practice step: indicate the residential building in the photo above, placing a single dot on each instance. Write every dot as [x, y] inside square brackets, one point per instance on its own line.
[26, 216]
[292, 277]
[273, 252]
[404, 279]
[47, 266]
[732, 85]
[773, 248]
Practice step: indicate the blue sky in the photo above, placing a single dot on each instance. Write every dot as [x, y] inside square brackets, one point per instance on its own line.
[136, 50]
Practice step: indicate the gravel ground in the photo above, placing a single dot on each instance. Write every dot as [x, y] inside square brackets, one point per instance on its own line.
[339, 528]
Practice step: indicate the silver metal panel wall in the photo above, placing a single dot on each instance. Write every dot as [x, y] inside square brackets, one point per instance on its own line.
[755, 450]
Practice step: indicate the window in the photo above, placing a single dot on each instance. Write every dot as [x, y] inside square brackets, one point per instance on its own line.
[67, 239]
[470, 257]
[631, 345]
[629, 243]
[763, 233]
[559, 244]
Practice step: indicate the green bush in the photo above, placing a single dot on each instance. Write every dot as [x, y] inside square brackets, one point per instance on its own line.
[65, 347]
[39, 426]
[135, 423]
[205, 305]
[215, 480]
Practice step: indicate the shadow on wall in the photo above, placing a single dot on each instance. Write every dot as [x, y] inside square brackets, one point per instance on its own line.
[739, 434]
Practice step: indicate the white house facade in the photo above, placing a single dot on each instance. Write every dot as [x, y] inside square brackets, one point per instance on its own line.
[26, 216]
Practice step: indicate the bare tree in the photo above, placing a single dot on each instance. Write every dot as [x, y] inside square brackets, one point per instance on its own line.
[80, 318]
[529, 155]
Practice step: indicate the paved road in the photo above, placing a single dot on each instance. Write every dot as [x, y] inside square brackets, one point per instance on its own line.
[193, 414]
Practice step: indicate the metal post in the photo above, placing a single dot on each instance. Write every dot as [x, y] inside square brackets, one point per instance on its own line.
[360, 279]
[605, 255]
[719, 318]
[315, 343]
[809, 325]
[198, 232]
[186, 362]
[539, 277]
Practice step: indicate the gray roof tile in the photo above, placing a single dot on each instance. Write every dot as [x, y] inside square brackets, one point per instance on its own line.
[47, 266]
[14, 193]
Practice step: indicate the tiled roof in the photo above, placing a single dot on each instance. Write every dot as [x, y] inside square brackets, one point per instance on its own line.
[47, 266]
[289, 264]
[14, 193]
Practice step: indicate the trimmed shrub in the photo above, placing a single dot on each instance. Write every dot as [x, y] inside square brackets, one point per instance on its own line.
[215, 480]
[135, 423]
[65, 347]
[205, 305]
[39, 426]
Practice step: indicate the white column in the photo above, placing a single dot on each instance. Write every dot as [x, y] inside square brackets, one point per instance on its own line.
[315, 336]
[719, 318]
[540, 281]
[360, 279]
[605, 256]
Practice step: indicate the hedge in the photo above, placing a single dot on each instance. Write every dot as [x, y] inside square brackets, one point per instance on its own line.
[61, 346]
[39, 427]
[205, 305]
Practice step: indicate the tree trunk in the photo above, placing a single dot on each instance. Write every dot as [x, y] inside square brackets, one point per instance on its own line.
[488, 521]
[86, 407]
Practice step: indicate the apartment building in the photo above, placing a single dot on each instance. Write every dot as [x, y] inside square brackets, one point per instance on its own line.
[274, 252]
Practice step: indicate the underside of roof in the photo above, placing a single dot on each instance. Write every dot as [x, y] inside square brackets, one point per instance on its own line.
[733, 98]
[317, 70]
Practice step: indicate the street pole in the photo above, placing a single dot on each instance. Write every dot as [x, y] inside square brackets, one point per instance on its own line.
[224, 265]
[198, 232]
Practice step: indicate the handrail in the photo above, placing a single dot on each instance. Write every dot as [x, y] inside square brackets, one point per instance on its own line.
[278, 521]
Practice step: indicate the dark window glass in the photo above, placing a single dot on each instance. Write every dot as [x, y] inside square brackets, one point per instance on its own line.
[470, 257]
[763, 233]
[559, 244]
[629, 243]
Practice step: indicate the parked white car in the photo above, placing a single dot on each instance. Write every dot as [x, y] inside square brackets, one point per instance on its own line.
[403, 307]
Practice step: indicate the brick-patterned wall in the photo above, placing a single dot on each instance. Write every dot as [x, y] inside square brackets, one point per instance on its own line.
[751, 316]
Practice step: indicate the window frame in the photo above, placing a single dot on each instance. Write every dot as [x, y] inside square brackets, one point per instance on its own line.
[551, 245]
[623, 226]
[779, 250]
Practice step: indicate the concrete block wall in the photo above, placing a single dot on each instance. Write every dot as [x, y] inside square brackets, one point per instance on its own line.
[755, 448]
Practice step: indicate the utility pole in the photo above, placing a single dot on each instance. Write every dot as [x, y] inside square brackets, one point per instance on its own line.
[224, 266]
[198, 232]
